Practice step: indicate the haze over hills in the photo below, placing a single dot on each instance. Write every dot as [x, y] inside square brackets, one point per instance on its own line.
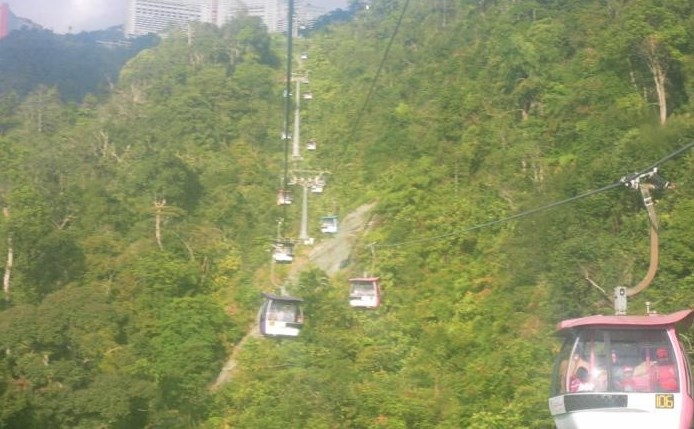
[76, 65]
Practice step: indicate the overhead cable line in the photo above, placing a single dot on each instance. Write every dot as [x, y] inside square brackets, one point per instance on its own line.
[624, 181]
[378, 73]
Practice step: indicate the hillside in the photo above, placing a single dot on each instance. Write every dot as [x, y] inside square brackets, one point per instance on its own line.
[487, 140]
[74, 64]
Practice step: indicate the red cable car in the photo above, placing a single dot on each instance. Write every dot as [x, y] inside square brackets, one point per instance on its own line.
[281, 316]
[623, 371]
[365, 292]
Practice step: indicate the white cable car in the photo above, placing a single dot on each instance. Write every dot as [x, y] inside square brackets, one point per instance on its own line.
[281, 316]
[311, 144]
[284, 197]
[308, 96]
[283, 251]
[365, 292]
[318, 185]
[328, 224]
[623, 371]
[304, 56]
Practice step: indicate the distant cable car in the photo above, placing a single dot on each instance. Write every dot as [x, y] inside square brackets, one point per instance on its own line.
[311, 144]
[623, 371]
[284, 197]
[283, 251]
[328, 224]
[281, 316]
[318, 185]
[304, 56]
[308, 96]
[365, 292]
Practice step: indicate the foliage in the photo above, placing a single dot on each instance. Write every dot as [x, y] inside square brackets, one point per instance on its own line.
[140, 222]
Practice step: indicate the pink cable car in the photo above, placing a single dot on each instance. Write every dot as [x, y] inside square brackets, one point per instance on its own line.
[365, 292]
[623, 371]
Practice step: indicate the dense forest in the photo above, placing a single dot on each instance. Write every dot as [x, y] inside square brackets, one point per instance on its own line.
[137, 226]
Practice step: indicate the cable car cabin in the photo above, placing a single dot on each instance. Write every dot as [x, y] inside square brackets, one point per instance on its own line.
[328, 224]
[318, 185]
[622, 371]
[365, 292]
[281, 316]
[283, 252]
[284, 197]
[308, 96]
[311, 145]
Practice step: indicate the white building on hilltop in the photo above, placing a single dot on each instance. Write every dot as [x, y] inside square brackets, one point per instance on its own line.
[156, 16]
[271, 12]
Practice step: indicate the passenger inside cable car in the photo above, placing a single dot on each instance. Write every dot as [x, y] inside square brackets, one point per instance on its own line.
[281, 316]
[580, 382]
[618, 360]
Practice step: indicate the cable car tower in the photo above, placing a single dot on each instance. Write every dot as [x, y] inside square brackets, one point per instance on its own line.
[625, 371]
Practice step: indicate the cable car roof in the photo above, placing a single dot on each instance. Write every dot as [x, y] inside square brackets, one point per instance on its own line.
[683, 317]
[282, 298]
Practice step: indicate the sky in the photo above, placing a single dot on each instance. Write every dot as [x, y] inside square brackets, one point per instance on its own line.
[64, 16]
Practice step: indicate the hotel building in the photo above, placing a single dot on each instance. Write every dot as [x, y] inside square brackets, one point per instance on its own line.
[155, 16]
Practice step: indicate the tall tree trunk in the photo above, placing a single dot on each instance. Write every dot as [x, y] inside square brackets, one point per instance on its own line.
[658, 67]
[158, 209]
[9, 261]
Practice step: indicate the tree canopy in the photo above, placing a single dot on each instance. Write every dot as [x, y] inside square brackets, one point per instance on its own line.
[137, 225]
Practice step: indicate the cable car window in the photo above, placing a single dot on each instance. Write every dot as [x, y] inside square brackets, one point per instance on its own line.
[363, 289]
[561, 367]
[283, 312]
[624, 360]
[648, 363]
[687, 368]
